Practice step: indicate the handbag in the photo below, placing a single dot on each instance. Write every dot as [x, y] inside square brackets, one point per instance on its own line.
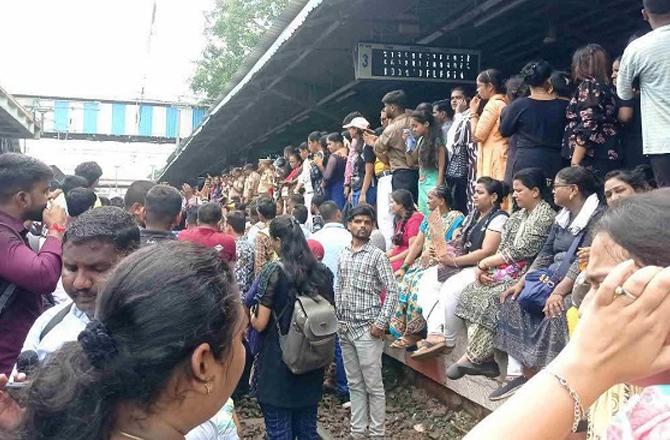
[539, 284]
[457, 168]
[445, 272]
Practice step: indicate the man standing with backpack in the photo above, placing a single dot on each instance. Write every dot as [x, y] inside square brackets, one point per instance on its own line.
[363, 272]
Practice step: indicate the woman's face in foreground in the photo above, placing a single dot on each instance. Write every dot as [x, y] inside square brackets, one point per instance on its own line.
[605, 255]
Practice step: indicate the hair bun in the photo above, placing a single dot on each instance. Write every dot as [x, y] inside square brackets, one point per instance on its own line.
[97, 344]
[536, 73]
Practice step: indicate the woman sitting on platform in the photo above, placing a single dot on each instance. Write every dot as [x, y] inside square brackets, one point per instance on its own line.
[406, 222]
[435, 232]
[522, 238]
[441, 285]
[532, 337]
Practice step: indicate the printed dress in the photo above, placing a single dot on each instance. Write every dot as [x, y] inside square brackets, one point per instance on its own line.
[437, 230]
[479, 305]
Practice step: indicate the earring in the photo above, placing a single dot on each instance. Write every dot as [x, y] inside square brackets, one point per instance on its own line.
[571, 196]
[208, 388]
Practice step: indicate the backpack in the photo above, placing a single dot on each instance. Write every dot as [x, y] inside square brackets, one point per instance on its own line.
[309, 343]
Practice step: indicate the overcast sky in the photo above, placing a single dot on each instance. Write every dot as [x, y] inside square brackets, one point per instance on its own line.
[98, 49]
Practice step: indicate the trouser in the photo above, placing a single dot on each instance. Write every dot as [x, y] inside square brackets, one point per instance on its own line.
[443, 319]
[458, 188]
[308, 204]
[363, 364]
[660, 164]
[480, 343]
[407, 179]
[341, 387]
[370, 197]
[514, 367]
[290, 423]
[242, 388]
[384, 215]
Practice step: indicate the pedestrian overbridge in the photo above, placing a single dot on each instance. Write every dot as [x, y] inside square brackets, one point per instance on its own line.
[112, 120]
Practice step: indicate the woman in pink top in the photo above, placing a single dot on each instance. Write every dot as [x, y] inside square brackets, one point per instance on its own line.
[406, 226]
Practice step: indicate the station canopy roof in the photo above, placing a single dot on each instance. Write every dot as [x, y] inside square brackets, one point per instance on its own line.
[301, 76]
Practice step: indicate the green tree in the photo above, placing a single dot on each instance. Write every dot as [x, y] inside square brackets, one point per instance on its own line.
[233, 28]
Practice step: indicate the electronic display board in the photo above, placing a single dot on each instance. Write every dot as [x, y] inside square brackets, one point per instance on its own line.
[416, 63]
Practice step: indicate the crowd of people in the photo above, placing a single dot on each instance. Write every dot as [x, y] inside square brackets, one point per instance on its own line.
[141, 318]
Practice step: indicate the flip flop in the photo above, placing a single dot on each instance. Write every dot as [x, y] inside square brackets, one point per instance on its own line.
[403, 344]
[430, 349]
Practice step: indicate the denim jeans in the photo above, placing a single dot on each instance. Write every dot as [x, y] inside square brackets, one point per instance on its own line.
[363, 364]
[370, 197]
[290, 423]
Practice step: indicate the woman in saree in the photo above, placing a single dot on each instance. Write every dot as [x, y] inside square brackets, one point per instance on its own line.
[434, 233]
[522, 238]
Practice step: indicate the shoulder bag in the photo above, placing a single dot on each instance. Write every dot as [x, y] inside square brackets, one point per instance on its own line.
[539, 284]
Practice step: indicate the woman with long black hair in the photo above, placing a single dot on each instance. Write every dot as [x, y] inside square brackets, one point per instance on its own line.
[406, 223]
[333, 175]
[163, 354]
[430, 153]
[289, 402]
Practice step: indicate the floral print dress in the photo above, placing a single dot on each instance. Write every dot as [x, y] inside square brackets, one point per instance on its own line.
[592, 116]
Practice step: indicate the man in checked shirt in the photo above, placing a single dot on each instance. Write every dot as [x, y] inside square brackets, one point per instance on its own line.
[363, 272]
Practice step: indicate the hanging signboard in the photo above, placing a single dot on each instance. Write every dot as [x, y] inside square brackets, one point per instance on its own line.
[416, 63]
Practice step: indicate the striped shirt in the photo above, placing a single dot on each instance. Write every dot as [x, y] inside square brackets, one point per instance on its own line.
[361, 277]
[648, 59]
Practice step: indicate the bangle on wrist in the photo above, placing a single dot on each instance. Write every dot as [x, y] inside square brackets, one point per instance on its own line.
[404, 267]
[479, 266]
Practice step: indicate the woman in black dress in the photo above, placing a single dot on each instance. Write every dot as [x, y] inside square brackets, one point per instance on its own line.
[288, 401]
[535, 123]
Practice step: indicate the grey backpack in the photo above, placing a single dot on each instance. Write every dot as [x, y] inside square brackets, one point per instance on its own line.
[309, 343]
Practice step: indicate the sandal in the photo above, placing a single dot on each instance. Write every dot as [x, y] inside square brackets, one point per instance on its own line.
[403, 344]
[430, 349]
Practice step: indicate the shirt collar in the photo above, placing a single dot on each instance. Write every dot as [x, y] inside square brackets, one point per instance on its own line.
[79, 314]
[12, 222]
[365, 248]
[333, 225]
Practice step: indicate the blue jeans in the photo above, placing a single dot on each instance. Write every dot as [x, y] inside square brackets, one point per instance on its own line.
[370, 197]
[341, 387]
[290, 423]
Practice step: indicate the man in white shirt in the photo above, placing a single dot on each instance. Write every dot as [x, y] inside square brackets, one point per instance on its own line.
[334, 238]
[305, 180]
[443, 113]
[646, 59]
[93, 245]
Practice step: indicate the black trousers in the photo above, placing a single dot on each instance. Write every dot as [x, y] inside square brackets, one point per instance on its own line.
[458, 188]
[660, 164]
[406, 179]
